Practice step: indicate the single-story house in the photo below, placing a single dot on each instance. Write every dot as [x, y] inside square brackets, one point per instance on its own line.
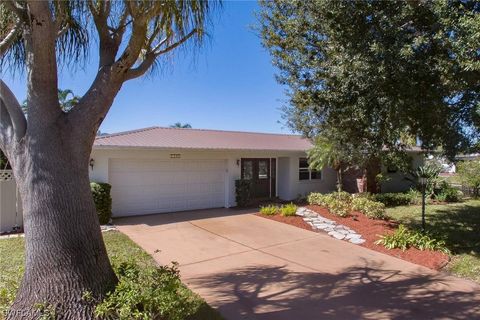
[155, 170]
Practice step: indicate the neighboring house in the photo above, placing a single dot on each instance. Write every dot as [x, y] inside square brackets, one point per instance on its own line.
[156, 170]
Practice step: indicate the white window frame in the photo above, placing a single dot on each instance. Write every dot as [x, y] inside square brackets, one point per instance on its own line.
[309, 172]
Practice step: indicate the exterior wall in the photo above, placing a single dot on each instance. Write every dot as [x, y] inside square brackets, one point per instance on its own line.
[397, 181]
[289, 186]
[283, 178]
[301, 188]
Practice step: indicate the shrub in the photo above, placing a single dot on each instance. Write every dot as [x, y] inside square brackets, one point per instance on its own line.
[338, 203]
[146, 291]
[242, 192]
[415, 196]
[316, 198]
[288, 210]
[339, 208]
[342, 196]
[448, 193]
[404, 238]
[469, 173]
[103, 201]
[393, 199]
[269, 210]
[372, 209]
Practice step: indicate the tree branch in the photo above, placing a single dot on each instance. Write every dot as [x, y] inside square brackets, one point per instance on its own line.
[10, 38]
[6, 129]
[17, 118]
[153, 55]
[20, 11]
[108, 46]
[178, 43]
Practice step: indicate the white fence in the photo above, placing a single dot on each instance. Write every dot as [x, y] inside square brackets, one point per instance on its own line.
[11, 217]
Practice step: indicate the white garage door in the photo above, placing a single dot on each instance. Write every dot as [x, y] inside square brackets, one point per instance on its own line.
[155, 186]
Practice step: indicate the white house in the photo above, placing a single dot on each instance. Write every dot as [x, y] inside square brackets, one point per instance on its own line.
[156, 170]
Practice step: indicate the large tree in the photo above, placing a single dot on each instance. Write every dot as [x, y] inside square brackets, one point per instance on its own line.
[367, 74]
[50, 149]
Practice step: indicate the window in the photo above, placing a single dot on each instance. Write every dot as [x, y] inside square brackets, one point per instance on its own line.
[262, 169]
[247, 170]
[304, 172]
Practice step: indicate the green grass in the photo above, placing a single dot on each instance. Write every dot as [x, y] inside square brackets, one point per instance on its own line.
[458, 224]
[119, 247]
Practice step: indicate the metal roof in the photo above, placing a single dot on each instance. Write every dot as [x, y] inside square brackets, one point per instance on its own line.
[179, 138]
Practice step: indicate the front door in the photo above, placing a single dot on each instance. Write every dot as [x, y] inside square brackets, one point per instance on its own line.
[259, 172]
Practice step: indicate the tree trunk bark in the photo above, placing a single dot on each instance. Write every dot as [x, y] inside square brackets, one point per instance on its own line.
[373, 169]
[65, 253]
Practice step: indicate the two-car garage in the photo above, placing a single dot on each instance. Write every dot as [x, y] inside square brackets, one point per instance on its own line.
[146, 186]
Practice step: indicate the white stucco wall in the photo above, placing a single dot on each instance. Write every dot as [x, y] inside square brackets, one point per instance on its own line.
[397, 181]
[289, 186]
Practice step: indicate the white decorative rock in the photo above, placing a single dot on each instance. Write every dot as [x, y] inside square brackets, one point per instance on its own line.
[357, 241]
[324, 226]
[353, 236]
[337, 231]
[336, 235]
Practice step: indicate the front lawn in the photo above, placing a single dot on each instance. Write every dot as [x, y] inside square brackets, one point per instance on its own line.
[458, 224]
[120, 248]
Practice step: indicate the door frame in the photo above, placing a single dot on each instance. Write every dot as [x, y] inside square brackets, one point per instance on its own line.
[269, 160]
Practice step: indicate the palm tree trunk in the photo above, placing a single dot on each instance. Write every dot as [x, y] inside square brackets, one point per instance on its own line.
[65, 253]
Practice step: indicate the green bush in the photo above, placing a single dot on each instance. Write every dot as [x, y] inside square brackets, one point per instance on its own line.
[146, 291]
[316, 198]
[339, 208]
[404, 238]
[469, 173]
[338, 203]
[269, 210]
[394, 199]
[288, 210]
[103, 200]
[447, 193]
[372, 209]
[415, 196]
[242, 192]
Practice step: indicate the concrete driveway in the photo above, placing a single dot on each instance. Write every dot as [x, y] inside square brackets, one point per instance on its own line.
[249, 267]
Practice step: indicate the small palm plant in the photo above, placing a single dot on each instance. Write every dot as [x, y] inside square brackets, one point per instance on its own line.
[425, 178]
[326, 154]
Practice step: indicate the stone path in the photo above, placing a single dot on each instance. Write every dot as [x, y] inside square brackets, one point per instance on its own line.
[333, 229]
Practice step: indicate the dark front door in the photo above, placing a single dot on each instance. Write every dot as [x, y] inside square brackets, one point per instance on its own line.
[259, 172]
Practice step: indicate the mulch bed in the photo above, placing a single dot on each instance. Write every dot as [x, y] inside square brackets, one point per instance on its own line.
[370, 230]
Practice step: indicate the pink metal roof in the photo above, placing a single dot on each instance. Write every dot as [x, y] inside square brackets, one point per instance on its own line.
[172, 138]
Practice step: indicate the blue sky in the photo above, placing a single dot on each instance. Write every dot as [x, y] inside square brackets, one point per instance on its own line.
[230, 85]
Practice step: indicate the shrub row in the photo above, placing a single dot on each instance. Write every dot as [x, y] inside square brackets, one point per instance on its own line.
[372, 209]
[343, 203]
[286, 210]
[393, 199]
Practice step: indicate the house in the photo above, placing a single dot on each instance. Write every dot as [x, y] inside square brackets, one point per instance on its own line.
[156, 170]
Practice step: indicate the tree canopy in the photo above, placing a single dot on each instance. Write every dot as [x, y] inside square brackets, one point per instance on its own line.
[369, 73]
[181, 125]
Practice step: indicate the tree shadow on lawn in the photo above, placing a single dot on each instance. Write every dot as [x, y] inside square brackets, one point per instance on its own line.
[459, 225]
[274, 292]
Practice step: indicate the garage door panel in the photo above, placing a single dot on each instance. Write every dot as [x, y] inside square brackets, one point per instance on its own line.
[155, 186]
